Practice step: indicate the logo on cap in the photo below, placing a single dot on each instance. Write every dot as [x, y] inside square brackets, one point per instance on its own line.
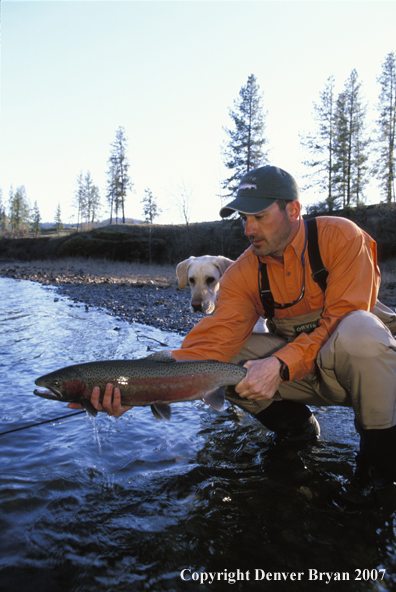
[247, 186]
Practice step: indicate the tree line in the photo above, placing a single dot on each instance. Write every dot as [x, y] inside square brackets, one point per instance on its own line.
[21, 218]
[343, 155]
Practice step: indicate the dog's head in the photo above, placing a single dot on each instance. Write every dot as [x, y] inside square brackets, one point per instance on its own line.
[202, 274]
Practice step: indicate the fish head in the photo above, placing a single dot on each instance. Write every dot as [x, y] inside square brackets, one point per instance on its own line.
[61, 386]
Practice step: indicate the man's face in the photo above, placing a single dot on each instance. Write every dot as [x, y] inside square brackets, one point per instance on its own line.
[269, 231]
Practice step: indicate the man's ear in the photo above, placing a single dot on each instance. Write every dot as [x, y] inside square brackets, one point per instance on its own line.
[293, 210]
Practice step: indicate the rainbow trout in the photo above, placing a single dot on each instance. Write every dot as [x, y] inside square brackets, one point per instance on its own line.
[156, 381]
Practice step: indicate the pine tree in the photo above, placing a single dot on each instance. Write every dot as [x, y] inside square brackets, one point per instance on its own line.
[361, 157]
[58, 219]
[351, 144]
[118, 182]
[86, 200]
[150, 207]
[340, 166]
[88, 188]
[150, 212]
[3, 216]
[19, 211]
[92, 200]
[36, 219]
[320, 144]
[385, 166]
[95, 205]
[80, 199]
[244, 149]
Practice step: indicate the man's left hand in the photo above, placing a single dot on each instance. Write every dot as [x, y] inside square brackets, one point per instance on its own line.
[262, 379]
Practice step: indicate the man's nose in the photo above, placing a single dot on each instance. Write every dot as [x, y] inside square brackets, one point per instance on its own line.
[250, 227]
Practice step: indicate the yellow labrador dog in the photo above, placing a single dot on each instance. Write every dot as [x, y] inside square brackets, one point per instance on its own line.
[203, 274]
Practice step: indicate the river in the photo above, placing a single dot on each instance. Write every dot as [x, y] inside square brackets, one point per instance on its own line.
[205, 501]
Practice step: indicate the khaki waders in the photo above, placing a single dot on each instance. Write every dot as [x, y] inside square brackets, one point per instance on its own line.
[355, 368]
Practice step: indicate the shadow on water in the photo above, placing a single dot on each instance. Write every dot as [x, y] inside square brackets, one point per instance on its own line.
[136, 504]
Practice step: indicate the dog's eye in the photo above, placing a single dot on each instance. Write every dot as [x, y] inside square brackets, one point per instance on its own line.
[209, 280]
[192, 281]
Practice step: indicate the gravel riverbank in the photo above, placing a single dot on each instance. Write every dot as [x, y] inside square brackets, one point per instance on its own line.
[163, 307]
[138, 294]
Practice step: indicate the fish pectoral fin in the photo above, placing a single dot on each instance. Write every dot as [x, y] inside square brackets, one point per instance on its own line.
[161, 411]
[163, 356]
[215, 400]
[89, 408]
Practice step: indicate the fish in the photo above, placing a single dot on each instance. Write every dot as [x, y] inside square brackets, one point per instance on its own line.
[156, 380]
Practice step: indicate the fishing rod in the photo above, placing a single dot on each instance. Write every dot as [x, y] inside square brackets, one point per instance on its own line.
[32, 425]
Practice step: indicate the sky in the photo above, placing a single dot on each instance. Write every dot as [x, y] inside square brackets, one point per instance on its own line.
[73, 72]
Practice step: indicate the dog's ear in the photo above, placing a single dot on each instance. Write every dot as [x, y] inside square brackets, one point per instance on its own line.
[182, 272]
[222, 263]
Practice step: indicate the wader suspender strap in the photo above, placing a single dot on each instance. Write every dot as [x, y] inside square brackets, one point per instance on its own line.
[319, 272]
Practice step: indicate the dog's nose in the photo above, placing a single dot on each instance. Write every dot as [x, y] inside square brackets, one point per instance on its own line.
[196, 306]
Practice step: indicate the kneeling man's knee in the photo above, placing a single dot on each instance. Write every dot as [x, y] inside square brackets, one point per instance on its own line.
[362, 334]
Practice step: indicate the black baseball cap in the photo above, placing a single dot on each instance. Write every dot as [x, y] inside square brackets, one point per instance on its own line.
[259, 189]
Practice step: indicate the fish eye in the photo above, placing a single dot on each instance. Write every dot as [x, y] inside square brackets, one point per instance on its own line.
[55, 383]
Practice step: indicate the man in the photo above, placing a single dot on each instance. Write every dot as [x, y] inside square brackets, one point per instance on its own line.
[324, 348]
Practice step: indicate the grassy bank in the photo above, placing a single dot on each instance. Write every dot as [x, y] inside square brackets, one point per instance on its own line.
[134, 243]
[169, 244]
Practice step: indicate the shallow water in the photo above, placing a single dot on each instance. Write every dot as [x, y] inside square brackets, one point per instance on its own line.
[136, 504]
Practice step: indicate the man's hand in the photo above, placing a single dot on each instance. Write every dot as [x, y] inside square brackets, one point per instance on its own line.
[262, 379]
[111, 403]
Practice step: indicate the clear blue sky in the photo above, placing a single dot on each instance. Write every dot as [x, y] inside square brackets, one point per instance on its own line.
[72, 72]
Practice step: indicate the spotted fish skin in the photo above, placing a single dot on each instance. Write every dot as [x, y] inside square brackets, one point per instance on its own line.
[156, 381]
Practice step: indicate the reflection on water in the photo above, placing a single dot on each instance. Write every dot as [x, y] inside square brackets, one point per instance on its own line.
[131, 504]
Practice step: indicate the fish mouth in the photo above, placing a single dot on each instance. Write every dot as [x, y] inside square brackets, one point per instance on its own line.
[49, 393]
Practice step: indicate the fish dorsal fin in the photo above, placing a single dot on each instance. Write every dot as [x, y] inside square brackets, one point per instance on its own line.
[89, 408]
[163, 356]
[161, 411]
[215, 400]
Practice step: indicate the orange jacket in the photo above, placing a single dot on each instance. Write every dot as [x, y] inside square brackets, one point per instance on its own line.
[350, 256]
